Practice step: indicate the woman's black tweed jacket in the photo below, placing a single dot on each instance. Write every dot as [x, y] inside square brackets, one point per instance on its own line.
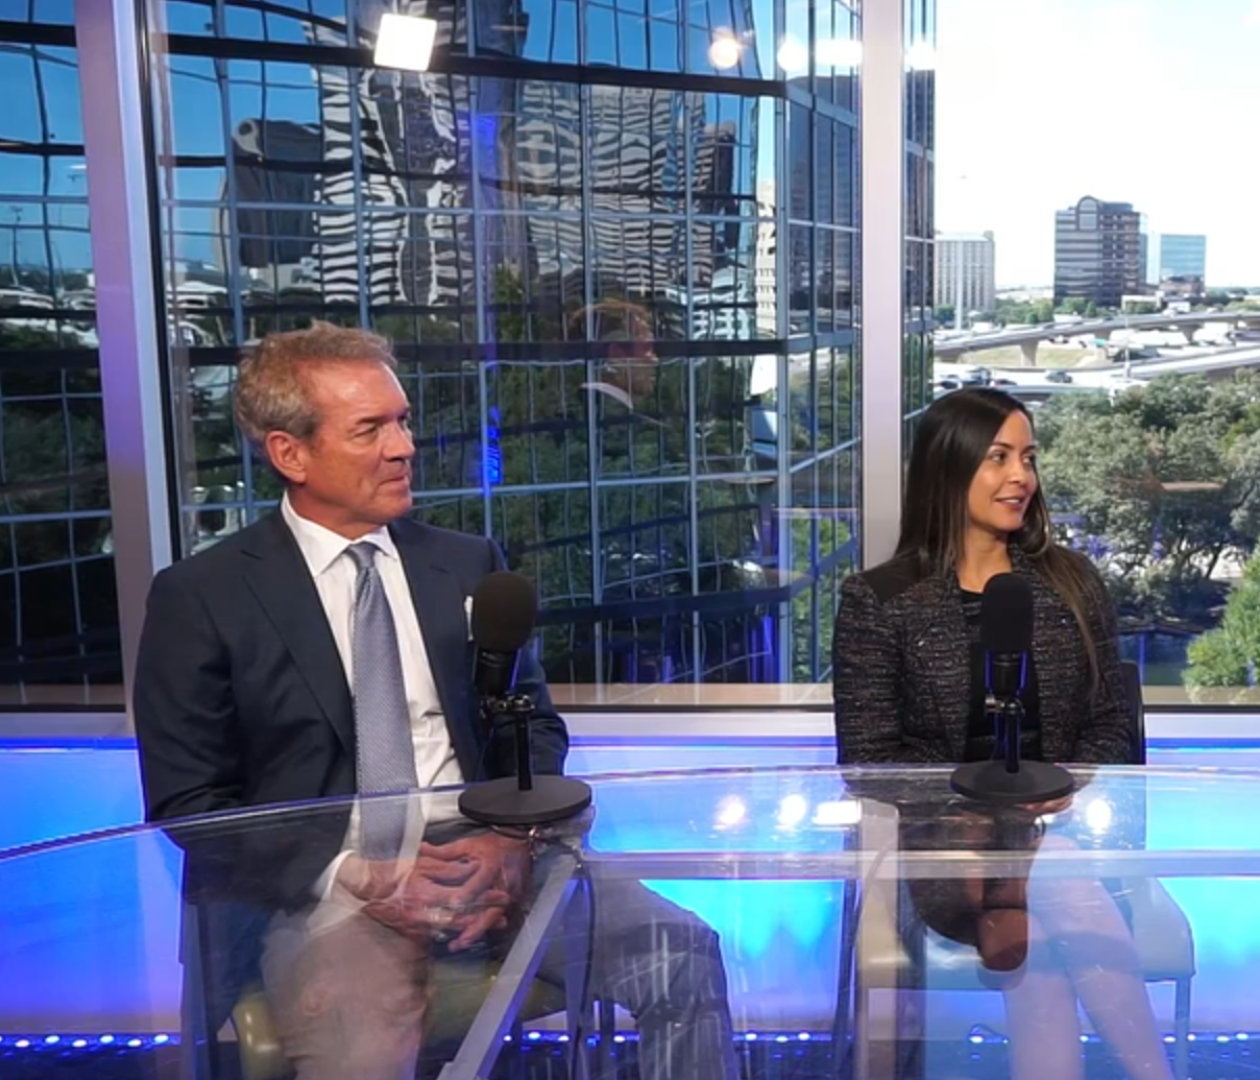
[903, 671]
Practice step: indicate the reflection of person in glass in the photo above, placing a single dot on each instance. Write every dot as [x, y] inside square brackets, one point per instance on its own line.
[910, 687]
[628, 371]
[324, 652]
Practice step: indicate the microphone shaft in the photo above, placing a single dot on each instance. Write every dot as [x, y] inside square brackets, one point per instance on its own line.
[522, 710]
[1012, 712]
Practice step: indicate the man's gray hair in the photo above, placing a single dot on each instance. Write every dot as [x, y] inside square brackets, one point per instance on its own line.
[272, 390]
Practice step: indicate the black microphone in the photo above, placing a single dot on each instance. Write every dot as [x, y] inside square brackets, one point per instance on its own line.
[504, 610]
[1006, 635]
[1006, 631]
[504, 607]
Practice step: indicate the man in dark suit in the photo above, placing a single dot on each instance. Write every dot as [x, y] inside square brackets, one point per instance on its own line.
[324, 651]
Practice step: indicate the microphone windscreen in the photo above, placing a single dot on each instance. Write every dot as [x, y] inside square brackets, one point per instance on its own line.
[504, 607]
[1006, 615]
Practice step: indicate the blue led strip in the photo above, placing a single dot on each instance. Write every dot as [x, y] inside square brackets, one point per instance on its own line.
[62, 1042]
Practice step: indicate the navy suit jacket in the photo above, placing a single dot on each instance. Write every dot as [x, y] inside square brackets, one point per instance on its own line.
[241, 698]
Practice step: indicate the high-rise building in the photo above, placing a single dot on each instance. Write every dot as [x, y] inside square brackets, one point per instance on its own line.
[765, 273]
[1098, 252]
[965, 273]
[1177, 255]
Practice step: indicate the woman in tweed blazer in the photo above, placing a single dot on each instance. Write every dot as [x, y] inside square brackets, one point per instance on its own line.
[909, 688]
[902, 694]
[973, 509]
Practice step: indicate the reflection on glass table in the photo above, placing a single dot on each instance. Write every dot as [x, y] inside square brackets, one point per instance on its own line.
[850, 907]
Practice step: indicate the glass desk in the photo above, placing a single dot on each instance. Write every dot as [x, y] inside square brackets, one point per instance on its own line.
[856, 922]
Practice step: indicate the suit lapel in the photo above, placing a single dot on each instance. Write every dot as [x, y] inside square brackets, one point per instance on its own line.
[1059, 669]
[280, 579]
[439, 603]
[938, 626]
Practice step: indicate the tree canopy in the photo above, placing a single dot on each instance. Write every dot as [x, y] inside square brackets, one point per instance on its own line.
[1161, 483]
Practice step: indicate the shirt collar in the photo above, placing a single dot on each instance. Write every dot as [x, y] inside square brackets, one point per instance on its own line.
[322, 547]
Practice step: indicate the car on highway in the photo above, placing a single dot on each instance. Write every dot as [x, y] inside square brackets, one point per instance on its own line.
[1058, 375]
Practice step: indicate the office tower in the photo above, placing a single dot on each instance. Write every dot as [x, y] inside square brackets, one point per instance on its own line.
[1098, 252]
[1177, 256]
[965, 278]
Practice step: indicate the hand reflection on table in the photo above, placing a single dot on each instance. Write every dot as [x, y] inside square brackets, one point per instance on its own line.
[453, 893]
[350, 990]
[352, 995]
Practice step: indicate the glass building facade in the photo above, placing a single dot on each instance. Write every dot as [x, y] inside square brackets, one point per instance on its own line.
[59, 639]
[570, 228]
[618, 247]
[919, 27]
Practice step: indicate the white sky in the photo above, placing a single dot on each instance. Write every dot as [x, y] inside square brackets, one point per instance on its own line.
[1153, 102]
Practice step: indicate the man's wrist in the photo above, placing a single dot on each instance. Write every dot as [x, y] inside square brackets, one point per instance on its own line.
[328, 881]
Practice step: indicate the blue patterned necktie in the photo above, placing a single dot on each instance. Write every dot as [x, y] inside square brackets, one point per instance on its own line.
[385, 758]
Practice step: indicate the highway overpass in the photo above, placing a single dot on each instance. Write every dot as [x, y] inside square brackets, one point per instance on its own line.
[1028, 338]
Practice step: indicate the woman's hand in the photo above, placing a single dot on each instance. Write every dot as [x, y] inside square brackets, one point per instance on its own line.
[1052, 806]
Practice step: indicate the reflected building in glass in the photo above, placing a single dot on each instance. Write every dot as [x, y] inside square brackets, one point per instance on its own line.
[59, 639]
[570, 228]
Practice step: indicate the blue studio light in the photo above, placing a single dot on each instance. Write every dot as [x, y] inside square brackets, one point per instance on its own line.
[135, 1041]
[64, 1041]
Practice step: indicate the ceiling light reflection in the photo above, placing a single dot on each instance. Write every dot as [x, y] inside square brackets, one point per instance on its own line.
[405, 42]
[793, 56]
[724, 50]
[1099, 815]
[838, 812]
[792, 811]
[731, 811]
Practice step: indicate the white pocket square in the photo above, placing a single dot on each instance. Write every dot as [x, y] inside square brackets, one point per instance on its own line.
[468, 601]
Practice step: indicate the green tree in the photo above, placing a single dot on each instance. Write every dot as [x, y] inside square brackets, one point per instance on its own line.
[1227, 656]
[1165, 479]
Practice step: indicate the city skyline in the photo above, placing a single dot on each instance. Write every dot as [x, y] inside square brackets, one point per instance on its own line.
[1070, 120]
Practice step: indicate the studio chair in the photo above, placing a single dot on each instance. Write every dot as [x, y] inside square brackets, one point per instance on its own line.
[883, 946]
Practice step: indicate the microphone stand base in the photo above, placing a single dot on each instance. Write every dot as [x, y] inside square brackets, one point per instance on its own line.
[502, 802]
[1036, 781]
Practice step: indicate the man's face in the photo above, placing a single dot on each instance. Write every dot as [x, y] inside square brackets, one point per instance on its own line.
[633, 366]
[354, 474]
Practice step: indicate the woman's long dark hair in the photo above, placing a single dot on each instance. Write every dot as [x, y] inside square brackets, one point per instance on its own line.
[954, 437]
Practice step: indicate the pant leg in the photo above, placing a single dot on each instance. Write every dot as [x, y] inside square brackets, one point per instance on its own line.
[349, 1001]
[663, 964]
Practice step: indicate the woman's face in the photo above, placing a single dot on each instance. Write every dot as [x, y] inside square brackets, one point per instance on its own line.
[1006, 481]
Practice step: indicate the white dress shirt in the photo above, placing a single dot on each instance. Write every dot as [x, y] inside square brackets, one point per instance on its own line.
[335, 575]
